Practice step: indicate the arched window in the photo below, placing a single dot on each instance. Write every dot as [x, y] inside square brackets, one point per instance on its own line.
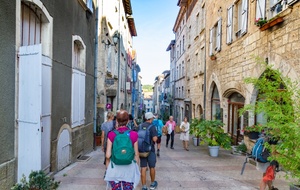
[215, 105]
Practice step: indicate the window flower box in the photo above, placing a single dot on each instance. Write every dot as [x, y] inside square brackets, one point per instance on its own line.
[271, 23]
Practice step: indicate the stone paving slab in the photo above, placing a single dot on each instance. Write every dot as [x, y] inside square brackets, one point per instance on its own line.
[176, 169]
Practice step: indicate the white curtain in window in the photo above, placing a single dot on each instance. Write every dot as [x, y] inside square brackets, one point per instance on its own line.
[229, 24]
[219, 34]
[260, 9]
[211, 41]
[244, 16]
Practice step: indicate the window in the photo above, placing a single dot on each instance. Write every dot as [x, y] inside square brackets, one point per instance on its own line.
[180, 48]
[182, 91]
[183, 44]
[78, 82]
[215, 37]
[179, 74]
[274, 7]
[202, 59]
[89, 4]
[229, 24]
[182, 69]
[240, 17]
[31, 26]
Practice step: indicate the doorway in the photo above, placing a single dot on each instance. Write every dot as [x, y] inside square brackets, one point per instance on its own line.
[235, 121]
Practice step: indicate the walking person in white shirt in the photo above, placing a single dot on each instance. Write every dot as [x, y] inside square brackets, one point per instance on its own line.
[184, 136]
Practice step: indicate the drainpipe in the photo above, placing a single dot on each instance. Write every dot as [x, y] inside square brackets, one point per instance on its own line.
[119, 64]
[95, 74]
[204, 86]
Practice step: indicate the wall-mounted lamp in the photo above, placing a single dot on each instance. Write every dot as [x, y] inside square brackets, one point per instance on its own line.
[115, 40]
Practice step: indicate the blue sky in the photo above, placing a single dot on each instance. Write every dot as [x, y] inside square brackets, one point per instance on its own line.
[154, 21]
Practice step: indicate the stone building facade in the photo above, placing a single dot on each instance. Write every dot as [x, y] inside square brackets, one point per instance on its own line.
[48, 85]
[180, 29]
[115, 63]
[232, 40]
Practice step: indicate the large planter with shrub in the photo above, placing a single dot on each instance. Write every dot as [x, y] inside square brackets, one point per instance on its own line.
[196, 141]
[213, 151]
[280, 105]
[212, 133]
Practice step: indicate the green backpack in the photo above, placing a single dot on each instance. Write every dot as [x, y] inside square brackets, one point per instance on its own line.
[122, 149]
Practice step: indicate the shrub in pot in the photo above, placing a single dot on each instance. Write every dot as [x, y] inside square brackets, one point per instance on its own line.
[195, 130]
[37, 180]
[280, 105]
[212, 133]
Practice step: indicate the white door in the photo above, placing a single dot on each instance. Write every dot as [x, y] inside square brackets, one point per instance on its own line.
[46, 112]
[63, 149]
[30, 109]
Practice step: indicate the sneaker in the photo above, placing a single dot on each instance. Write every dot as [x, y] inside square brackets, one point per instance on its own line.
[172, 147]
[153, 185]
[144, 188]
[157, 153]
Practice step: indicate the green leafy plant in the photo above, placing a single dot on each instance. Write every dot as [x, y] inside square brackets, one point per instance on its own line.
[253, 128]
[211, 132]
[195, 127]
[279, 103]
[38, 180]
[260, 22]
[242, 147]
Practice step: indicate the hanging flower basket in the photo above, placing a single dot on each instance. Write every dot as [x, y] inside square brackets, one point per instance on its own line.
[213, 57]
[271, 23]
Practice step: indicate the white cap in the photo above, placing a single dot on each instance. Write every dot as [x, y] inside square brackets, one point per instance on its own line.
[149, 115]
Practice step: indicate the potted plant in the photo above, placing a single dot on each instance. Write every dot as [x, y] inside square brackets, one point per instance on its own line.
[280, 105]
[260, 22]
[253, 131]
[37, 180]
[213, 57]
[195, 130]
[212, 132]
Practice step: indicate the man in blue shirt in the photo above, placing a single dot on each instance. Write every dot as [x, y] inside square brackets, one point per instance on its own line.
[157, 122]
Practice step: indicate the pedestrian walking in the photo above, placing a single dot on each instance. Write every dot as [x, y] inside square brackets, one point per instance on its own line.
[122, 175]
[157, 122]
[150, 160]
[106, 126]
[269, 176]
[184, 136]
[170, 125]
[132, 123]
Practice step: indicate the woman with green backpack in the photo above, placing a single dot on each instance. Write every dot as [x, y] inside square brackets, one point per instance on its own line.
[122, 156]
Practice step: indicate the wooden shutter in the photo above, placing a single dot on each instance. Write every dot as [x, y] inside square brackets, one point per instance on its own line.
[210, 41]
[219, 35]
[260, 9]
[244, 16]
[29, 109]
[229, 24]
[290, 2]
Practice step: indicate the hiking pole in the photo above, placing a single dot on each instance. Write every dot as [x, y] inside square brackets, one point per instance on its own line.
[244, 165]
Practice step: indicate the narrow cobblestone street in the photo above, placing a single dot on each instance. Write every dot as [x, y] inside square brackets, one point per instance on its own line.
[176, 169]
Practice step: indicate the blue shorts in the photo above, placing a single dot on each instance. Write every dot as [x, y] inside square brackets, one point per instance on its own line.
[148, 161]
